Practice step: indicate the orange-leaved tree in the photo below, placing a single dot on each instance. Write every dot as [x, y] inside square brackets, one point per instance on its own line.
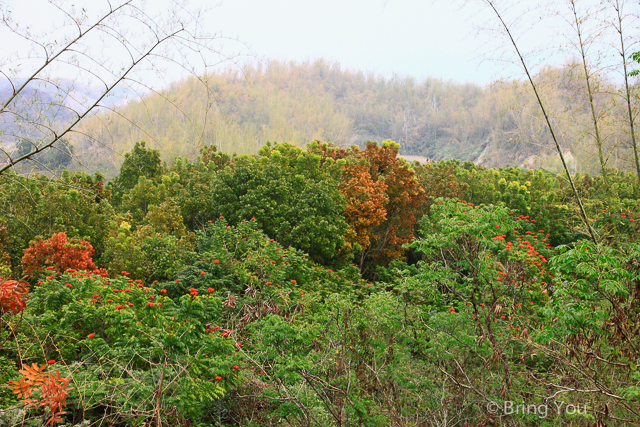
[366, 199]
[58, 254]
[405, 197]
[383, 196]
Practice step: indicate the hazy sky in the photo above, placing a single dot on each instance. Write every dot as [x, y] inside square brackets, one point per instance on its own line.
[409, 37]
[406, 37]
[418, 38]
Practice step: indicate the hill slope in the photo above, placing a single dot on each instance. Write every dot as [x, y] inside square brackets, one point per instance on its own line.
[496, 125]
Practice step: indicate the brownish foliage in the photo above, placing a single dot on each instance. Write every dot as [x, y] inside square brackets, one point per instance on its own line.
[405, 196]
[52, 390]
[439, 180]
[58, 254]
[383, 197]
[366, 199]
[12, 293]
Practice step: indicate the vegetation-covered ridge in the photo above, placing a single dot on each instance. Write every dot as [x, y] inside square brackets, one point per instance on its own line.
[324, 286]
[497, 125]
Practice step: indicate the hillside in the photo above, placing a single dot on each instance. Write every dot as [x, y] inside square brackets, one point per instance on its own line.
[498, 125]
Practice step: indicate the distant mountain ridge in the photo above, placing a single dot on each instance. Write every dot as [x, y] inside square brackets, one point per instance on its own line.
[497, 125]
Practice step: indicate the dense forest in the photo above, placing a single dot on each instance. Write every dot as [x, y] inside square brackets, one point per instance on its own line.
[318, 286]
[497, 125]
[189, 244]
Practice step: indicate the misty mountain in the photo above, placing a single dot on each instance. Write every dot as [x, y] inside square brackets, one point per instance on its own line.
[496, 125]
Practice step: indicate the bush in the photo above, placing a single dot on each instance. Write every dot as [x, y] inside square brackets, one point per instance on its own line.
[119, 340]
[57, 254]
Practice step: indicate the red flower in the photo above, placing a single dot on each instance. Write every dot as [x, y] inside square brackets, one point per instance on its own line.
[164, 291]
[216, 262]
[239, 345]
[51, 362]
[110, 300]
[177, 280]
[118, 307]
[221, 217]
[236, 367]
[202, 273]
[217, 378]
[293, 281]
[210, 290]
[216, 328]
[159, 304]
[452, 309]
[150, 304]
[91, 335]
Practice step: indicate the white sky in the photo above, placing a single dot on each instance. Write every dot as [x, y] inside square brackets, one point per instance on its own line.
[408, 37]
[418, 38]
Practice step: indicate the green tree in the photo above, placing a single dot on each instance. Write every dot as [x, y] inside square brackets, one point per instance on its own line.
[291, 196]
[140, 161]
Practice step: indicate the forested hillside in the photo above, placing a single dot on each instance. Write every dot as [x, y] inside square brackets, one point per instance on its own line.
[497, 125]
[323, 286]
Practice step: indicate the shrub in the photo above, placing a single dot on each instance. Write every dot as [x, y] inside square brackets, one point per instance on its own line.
[124, 345]
[57, 254]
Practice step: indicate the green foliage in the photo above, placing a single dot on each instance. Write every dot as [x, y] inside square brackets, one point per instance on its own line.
[158, 249]
[75, 203]
[119, 339]
[53, 159]
[291, 196]
[235, 287]
[243, 259]
[139, 162]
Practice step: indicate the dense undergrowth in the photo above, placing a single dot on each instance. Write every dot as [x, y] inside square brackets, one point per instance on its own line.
[312, 287]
